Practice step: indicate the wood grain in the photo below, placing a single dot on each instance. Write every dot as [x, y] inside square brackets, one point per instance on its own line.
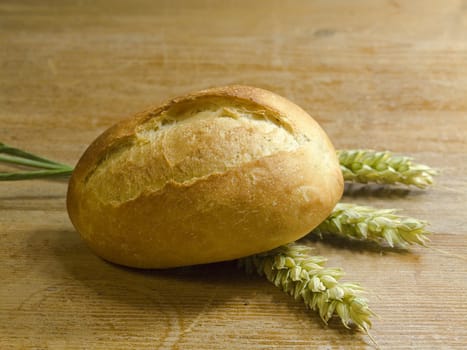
[375, 74]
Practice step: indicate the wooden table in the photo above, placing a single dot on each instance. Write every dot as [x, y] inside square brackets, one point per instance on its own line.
[375, 74]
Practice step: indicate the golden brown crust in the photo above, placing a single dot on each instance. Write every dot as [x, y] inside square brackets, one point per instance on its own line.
[244, 209]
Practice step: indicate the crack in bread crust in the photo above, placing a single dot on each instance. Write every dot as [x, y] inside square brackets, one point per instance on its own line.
[187, 143]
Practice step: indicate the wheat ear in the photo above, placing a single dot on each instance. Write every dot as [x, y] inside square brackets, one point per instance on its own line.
[383, 167]
[293, 269]
[382, 226]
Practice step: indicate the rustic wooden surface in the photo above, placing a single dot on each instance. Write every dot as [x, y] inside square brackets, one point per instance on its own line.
[375, 74]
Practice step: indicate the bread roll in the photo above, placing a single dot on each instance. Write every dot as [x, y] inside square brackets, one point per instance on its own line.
[210, 176]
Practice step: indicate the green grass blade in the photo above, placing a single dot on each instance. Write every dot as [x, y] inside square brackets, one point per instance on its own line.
[36, 174]
[5, 158]
[5, 149]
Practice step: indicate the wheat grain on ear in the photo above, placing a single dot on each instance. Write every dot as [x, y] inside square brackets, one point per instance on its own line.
[302, 275]
[382, 226]
[383, 167]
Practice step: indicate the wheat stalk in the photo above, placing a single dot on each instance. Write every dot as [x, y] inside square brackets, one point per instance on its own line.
[383, 167]
[48, 168]
[293, 269]
[382, 226]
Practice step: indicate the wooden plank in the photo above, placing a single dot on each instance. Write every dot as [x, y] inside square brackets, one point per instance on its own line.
[375, 74]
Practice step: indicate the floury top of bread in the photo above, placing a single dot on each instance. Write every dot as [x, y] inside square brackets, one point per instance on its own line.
[168, 149]
[214, 175]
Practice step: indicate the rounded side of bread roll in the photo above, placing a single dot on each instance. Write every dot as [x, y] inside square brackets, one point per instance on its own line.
[210, 176]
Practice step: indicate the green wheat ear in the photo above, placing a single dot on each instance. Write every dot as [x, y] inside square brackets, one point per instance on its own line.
[294, 270]
[382, 226]
[384, 167]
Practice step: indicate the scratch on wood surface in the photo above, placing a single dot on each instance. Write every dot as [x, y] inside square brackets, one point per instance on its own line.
[207, 304]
